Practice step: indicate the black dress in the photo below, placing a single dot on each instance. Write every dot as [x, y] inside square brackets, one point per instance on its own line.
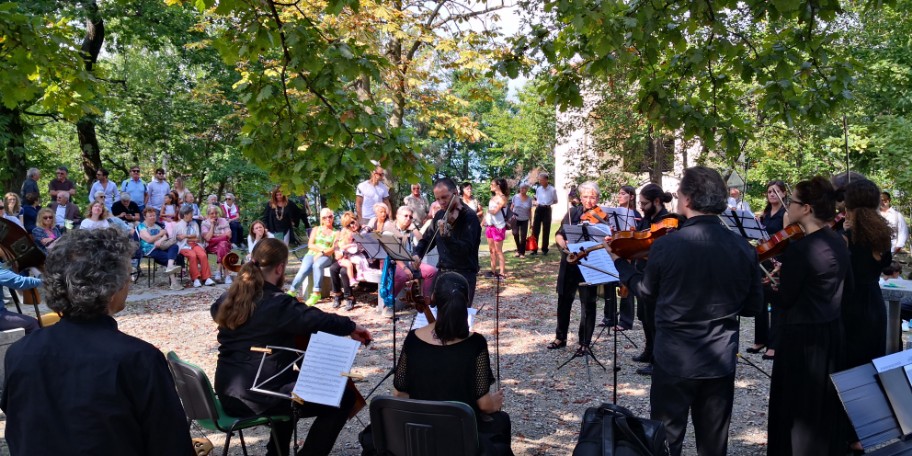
[766, 325]
[805, 415]
[863, 313]
[458, 372]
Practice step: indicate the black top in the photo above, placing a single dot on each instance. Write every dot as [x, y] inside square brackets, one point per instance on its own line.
[458, 372]
[119, 208]
[56, 185]
[290, 217]
[458, 251]
[29, 186]
[646, 222]
[95, 390]
[569, 273]
[773, 222]
[701, 276]
[275, 321]
[812, 278]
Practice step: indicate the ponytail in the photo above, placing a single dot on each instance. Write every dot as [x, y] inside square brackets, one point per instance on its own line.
[247, 289]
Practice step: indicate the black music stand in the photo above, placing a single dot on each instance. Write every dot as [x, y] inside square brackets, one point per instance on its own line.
[394, 251]
[744, 223]
[261, 386]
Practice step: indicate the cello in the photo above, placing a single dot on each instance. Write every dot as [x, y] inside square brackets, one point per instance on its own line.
[19, 251]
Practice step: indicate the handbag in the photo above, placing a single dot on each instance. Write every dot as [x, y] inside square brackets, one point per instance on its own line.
[531, 243]
[612, 430]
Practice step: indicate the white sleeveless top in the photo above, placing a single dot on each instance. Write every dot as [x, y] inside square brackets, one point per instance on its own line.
[496, 219]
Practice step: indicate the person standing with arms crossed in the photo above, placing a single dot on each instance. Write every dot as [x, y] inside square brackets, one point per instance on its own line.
[545, 197]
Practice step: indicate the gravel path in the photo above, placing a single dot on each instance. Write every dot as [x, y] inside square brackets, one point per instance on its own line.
[545, 404]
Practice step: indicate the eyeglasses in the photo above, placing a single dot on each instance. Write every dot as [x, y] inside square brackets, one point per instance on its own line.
[327, 217]
[134, 170]
[102, 197]
[408, 216]
[794, 201]
[159, 174]
[47, 218]
[61, 174]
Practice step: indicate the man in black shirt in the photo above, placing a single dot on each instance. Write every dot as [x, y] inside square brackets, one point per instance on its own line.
[125, 209]
[701, 276]
[459, 249]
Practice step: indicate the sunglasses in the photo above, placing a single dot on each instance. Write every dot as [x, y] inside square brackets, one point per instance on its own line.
[327, 217]
[47, 218]
[134, 170]
[61, 174]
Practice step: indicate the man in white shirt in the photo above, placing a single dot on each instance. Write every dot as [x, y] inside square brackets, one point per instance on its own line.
[900, 232]
[545, 197]
[370, 192]
[103, 185]
[157, 189]
[736, 202]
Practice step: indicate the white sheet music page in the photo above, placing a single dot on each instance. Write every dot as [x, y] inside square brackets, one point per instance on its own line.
[597, 265]
[326, 359]
[421, 319]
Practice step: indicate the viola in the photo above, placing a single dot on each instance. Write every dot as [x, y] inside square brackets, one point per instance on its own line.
[632, 245]
[779, 241]
[594, 216]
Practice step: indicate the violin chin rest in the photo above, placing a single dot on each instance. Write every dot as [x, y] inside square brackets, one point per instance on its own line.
[49, 319]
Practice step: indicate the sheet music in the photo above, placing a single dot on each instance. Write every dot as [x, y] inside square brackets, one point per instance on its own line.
[326, 359]
[899, 359]
[597, 265]
[421, 319]
[621, 218]
[371, 246]
[574, 233]
[750, 224]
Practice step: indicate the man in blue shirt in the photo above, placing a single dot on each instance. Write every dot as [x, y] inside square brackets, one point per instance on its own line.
[136, 188]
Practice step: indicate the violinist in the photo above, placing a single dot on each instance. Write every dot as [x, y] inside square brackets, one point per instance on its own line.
[766, 323]
[255, 312]
[652, 203]
[805, 415]
[626, 198]
[569, 278]
[701, 277]
[458, 244]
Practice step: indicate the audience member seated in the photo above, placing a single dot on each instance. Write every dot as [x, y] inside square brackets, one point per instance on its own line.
[188, 242]
[13, 207]
[258, 232]
[66, 214]
[9, 217]
[217, 235]
[126, 210]
[232, 213]
[96, 217]
[320, 248]
[169, 208]
[12, 320]
[381, 222]
[403, 229]
[154, 242]
[45, 232]
[255, 312]
[81, 386]
[444, 361]
[30, 211]
[190, 201]
[342, 271]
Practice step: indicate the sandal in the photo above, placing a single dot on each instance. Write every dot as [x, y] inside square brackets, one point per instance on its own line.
[557, 343]
[756, 349]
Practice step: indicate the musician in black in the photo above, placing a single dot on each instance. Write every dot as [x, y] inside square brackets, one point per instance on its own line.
[569, 278]
[652, 202]
[457, 245]
[701, 277]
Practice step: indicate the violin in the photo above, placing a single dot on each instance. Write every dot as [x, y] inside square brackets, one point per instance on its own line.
[632, 245]
[779, 241]
[594, 216]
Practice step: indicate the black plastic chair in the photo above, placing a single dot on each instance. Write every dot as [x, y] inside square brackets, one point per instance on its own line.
[403, 427]
[201, 404]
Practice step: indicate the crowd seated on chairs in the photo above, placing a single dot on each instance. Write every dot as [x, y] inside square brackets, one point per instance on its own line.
[189, 243]
[46, 231]
[91, 388]
[217, 234]
[445, 361]
[155, 244]
[65, 211]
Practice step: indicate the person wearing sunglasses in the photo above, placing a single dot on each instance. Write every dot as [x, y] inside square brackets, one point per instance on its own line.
[157, 189]
[106, 187]
[405, 272]
[60, 184]
[45, 231]
[371, 192]
[136, 187]
[320, 250]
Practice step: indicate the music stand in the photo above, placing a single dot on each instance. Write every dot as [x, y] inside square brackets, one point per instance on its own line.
[744, 223]
[393, 250]
[621, 218]
[260, 386]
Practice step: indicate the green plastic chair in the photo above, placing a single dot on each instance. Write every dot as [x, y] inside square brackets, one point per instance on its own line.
[202, 405]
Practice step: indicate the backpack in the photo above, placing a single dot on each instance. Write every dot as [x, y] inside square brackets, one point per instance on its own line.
[612, 430]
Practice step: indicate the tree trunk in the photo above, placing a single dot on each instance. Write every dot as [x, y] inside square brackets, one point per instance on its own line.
[14, 126]
[85, 127]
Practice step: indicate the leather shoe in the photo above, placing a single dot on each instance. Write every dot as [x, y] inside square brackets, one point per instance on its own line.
[756, 349]
[642, 358]
[645, 370]
[557, 344]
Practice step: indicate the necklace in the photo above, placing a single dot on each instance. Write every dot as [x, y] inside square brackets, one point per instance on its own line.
[280, 212]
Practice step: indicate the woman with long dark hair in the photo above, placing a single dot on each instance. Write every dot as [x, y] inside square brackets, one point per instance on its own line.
[255, 312]
[496, 226]
[766, 324]
[281, 215]
[805, 415]
[627, 199]
[445, 361]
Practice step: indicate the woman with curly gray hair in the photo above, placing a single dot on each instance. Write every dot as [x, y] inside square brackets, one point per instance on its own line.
[119, 386]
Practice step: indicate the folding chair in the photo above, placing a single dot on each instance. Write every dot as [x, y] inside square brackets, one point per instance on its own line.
[430, 428]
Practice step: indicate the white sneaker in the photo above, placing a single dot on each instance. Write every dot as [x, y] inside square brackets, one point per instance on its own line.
[172, 269]
[197, 284]
[217, 276]
[210, 282]
[227, 280]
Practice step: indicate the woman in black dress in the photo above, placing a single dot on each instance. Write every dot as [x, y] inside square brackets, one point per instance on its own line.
[281, 216]
[805, 415]
[766, 324]
[444, 361]
[863, 314]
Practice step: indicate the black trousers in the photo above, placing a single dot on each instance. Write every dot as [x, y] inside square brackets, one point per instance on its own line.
[766, 325]
[588, 295]
[321, 437]
[520, 231]
[646, 314]
[709, 401]
[340, 280]
[542, 225]
[611, 308]
[237, 232]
